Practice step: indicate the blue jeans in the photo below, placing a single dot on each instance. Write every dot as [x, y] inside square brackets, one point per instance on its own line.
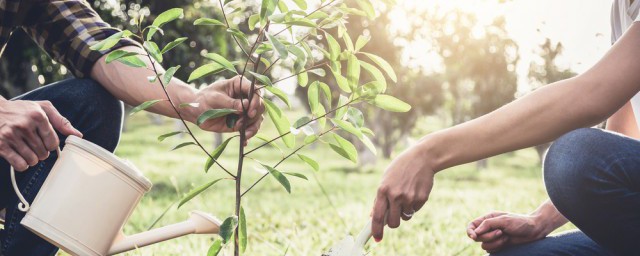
[593, 178]
[94, 112]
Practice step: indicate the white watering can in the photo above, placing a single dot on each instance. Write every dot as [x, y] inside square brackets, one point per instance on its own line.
[87, 198]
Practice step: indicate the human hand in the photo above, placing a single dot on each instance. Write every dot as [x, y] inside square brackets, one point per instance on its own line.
[27, 131]
[404, 189]
[227, 94]
[498, 230]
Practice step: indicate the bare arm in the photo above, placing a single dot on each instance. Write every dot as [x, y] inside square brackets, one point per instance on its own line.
[539, 117]
[131, 86]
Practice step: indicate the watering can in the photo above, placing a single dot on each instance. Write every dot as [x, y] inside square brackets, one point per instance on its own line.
[87, 198]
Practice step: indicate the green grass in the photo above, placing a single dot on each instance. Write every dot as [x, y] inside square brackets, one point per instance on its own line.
[305, 222]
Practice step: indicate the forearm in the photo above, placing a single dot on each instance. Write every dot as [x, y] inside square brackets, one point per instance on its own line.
[539, 117]
[548, 218]
[131, 85]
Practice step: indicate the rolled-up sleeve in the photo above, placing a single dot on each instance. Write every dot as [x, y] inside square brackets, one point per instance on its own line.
[66, 29]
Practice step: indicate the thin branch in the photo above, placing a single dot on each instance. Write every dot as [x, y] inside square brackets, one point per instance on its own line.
[302, 125]
[234, 36]
[284, 159]
[164, 89]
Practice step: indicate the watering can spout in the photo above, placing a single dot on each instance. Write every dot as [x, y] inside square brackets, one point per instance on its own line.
[198, 223]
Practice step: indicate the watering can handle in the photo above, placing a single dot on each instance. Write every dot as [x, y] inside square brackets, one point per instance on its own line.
[23, 205]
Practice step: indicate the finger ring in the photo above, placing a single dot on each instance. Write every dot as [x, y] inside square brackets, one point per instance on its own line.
[408, 215]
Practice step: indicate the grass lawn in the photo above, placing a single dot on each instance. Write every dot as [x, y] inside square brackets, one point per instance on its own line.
[305, 222]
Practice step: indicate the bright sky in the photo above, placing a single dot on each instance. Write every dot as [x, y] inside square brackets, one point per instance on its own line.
[582, 27]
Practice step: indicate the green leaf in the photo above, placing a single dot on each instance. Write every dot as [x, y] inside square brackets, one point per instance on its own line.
[317, 15]
[281, 122]
[345, 148]
[163, 18]
[342, 82]
[326, 91]
[280, 48]
[118, 54]
[214, 113]
[375, 73]
[132, 61]
[204, 70]
[310, 139]
[303, 79]
[227, 228]
[208, 22]
[282, 6]
[215, 248]
[280, 177]
[310, 162]
[262, 78]
[222, 61]
[295, 174]
[362, 41]
[242, 230]
[312, 96]
[367, 142]
[321, 112]
[343, 110]
[353, 72]
[167, 16]
[366, 6]
[167, 135]
[301, 122]
[266, 139]
[216, 154]
[267, 8]
[348, 42]
[348, 127]
[153, 50]
[173, 44]
[384, 65]
[196, 191]
[355, 117]
[168, 75]
[301, 58]
[279, 93]
[181, 145]
[390, 103]
[144, 106]
[301, 22]
[302, 4]
[367, 131]
[334, 47]
[109, 42]
[253, 21]
[318, 71]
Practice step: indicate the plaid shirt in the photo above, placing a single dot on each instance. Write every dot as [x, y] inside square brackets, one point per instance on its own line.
[65, 29]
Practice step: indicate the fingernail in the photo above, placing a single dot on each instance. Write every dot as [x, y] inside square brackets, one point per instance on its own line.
[377, 239]
[253, 113]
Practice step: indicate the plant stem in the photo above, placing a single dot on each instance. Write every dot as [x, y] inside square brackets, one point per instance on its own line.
[184, 123]
[243, 136]
[283, 159]
[302, 125]
[234, 37]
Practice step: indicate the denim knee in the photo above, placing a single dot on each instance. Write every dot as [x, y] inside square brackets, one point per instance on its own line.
[93, 110]
[569, 166]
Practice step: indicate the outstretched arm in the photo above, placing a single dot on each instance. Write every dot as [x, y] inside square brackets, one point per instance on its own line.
[131, 85]
[539, 117]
